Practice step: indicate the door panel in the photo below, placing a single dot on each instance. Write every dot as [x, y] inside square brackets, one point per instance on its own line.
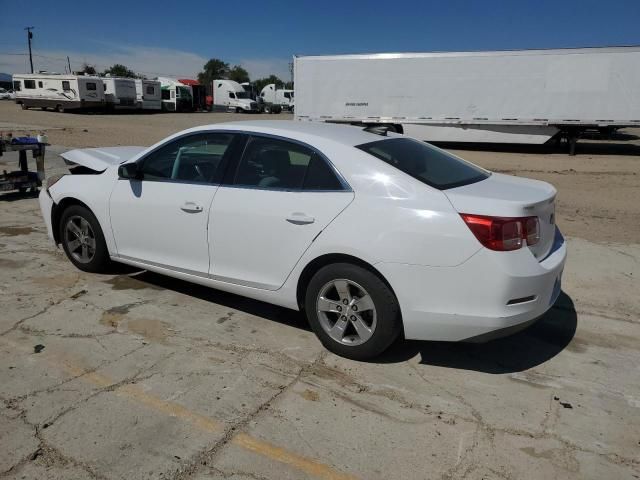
[163, 223]
[256, 236]
[163, 218]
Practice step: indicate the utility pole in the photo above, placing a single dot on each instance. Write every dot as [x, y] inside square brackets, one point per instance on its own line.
[69, 63]
[29, 37]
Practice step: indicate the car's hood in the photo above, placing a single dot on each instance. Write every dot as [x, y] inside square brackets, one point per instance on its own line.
[99, 159]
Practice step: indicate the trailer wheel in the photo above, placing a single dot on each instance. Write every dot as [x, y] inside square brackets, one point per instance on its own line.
[23, 106]
[59, 108]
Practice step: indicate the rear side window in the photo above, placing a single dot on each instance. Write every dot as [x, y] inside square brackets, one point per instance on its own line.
[16, 85]
[30, 84]
[320, 176]
[422, 161]
[272, 163]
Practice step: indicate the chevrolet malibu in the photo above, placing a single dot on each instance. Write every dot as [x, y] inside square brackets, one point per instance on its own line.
[370, 234]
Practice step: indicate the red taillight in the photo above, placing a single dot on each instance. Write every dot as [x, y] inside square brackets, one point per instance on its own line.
[503, 234]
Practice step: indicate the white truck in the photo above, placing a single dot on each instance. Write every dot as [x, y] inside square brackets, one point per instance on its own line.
[229, 95]
[520, 96]
[278, 96]
[59, 92]
[120, 93]
[148, 94]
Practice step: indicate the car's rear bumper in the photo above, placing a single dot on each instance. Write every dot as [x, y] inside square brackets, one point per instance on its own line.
[46, 205]
[489, 295]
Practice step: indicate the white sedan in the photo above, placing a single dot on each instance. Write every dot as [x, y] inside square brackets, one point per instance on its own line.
[370, 234]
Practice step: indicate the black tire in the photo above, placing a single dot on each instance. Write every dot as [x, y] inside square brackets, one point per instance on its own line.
[23, 106]
[100, 261]
[59, 109]
[387, 310]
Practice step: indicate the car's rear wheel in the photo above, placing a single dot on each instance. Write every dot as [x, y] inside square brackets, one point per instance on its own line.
[82, 239]
[352, 311]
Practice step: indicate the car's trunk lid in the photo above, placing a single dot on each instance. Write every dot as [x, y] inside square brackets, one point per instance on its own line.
[507, 196]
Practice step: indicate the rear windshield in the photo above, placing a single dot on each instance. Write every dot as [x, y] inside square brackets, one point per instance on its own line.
[425, 162]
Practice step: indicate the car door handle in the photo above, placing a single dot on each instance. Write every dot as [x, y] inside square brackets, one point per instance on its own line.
[298, 218]
[191, 207]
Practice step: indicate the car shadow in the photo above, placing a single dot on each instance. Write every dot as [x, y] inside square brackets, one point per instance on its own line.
[521, 351]
[247, 305]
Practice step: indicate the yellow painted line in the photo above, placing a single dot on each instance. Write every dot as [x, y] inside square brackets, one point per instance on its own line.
[202, 422]
[282, 455]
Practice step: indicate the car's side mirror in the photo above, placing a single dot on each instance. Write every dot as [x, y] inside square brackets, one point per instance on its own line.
[130, 171]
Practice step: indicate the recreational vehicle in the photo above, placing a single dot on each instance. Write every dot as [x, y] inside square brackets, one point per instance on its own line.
[120, 93]
[176, 97]
[278, 96]
[230, 96]
[60, 92]
[148, 96]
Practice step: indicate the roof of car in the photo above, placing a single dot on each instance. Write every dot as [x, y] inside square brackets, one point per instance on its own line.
[344, 134]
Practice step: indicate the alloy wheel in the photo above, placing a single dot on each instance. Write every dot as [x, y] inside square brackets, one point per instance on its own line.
[80, 239]
[346, 312]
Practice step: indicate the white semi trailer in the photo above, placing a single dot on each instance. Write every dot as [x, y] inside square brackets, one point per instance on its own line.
[523, 96]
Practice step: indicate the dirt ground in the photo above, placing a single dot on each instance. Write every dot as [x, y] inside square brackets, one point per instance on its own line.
[135, 376]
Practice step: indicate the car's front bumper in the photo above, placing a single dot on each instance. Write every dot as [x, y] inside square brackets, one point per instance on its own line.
[491, 292]
[46, 206]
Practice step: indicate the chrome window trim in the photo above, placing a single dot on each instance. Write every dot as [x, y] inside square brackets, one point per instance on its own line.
[236, 163]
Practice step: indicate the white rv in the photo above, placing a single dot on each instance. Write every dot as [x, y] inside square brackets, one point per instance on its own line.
[519, 96]
[176, 97]
[231, 96]
[148, 95]
[120, 93]
[60, 92]
[278, 96]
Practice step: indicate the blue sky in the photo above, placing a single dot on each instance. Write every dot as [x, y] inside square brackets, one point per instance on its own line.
[175, 38]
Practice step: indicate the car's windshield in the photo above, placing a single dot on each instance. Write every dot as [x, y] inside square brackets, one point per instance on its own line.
[422, 161]
[242, 94]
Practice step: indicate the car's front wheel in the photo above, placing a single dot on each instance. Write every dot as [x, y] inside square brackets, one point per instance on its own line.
[82, 239]
[352, 311]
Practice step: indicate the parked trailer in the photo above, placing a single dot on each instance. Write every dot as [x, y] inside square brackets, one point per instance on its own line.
[120, 93]
[523, 96]
[148, 95]
[60, 92]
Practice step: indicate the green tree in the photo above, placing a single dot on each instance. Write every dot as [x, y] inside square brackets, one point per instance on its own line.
[214, 68]
[238, 74]
[119, 70]
[88, 69]
[263, 82]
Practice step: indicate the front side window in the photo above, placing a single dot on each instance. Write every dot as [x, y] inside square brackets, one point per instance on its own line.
[194, 158]
[165, 95]
[422, 161]
[30, 84]
[65, 86]
[16, 85]
[91, 86]
[281, 165]
[232, 95]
